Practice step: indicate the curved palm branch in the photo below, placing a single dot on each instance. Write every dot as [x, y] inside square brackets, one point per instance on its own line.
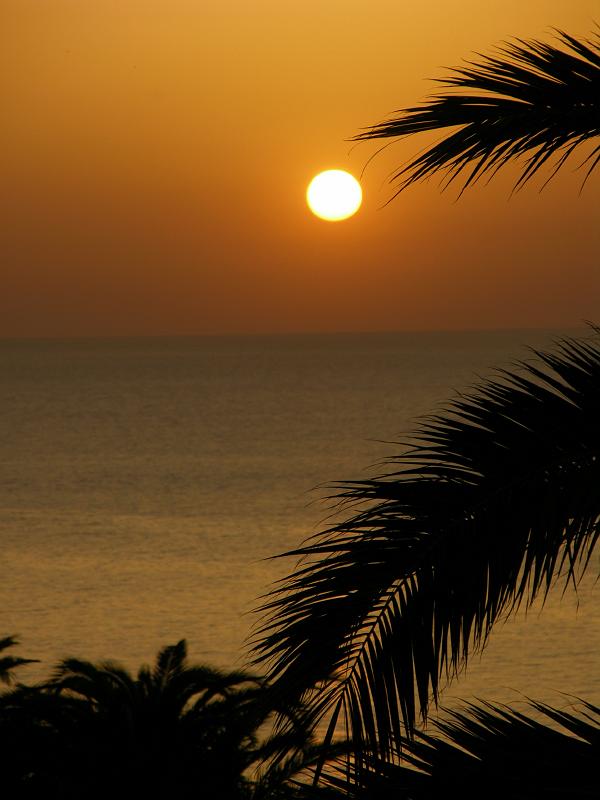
[495, 498]
[533, 99]
[490, 751]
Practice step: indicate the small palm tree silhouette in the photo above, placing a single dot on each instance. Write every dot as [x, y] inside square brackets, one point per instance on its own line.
[172, 725]
[96, 729]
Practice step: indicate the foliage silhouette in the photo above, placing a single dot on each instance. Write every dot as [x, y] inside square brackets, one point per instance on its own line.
[493, 752]
[94, 729]
[9, 663]
[533, 100]
[494, 500]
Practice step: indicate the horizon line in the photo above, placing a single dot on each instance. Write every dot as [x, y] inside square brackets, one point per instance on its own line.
[288, 334]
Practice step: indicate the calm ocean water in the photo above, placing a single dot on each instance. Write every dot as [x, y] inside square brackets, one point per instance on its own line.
[143, 483]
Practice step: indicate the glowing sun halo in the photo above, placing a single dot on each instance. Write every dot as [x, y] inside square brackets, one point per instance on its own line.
[334, 195]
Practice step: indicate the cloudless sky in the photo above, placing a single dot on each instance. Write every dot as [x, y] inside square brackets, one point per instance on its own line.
[155, 156]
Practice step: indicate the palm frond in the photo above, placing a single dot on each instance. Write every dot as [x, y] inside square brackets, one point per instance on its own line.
[169, 662]
[496, 497]
[97, 683]
[532, 100]
[8, 664]
[489, 751]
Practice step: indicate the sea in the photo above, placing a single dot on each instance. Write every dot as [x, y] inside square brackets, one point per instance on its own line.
[147, 483]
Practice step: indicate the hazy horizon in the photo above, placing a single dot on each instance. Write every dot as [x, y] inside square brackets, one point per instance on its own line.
[574, 330]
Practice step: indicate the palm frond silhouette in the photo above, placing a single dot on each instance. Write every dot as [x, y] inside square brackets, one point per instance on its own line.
[534, 100]
[8, 664]
[495, 499]
[491, 751]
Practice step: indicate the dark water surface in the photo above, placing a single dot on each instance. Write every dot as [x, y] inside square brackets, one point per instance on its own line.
[144, 481]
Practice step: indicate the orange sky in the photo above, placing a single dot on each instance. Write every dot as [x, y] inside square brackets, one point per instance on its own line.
[155, 156]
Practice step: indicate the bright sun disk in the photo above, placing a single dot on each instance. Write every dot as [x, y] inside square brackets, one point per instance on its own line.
[334, 195]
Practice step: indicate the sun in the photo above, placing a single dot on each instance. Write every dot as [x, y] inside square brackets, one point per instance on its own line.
[334, 195]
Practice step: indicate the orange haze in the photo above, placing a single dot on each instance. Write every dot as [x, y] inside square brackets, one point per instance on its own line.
[155, 156]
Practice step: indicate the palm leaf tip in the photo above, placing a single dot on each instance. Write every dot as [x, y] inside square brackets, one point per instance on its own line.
[497, 498]
[533, 100]
[490, 751]
[9, 663]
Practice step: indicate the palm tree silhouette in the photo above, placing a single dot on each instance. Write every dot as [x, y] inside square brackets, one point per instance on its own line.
[172, 725]
[493, 499]
[95, 730]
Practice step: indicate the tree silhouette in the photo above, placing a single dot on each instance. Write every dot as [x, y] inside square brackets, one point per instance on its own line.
[95, 730]
[493, 500]
[170, 727]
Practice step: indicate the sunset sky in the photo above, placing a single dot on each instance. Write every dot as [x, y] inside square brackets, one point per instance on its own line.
[155, 156]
